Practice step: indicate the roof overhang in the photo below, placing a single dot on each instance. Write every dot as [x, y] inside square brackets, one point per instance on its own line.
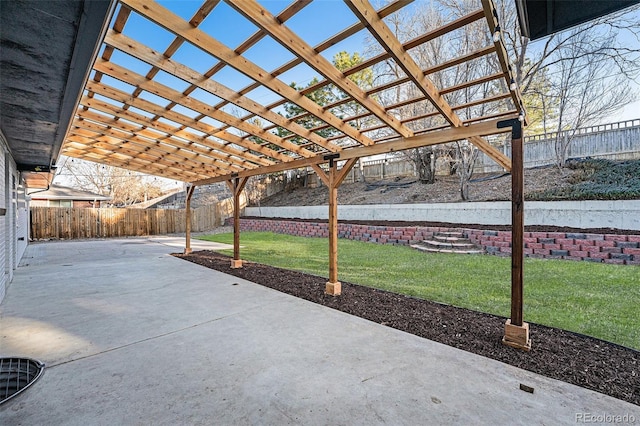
[46, 49]
[56, 192]
[540, 18]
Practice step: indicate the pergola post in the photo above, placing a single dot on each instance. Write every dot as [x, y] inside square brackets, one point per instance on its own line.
[187, 244]
[333, 179]
[236, 185]
[516, 333]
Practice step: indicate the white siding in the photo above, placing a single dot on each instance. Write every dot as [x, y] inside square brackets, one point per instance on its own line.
[12, 212]
[22, 225]
[14, 223]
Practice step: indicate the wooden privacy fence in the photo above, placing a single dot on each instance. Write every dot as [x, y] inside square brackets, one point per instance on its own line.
[75, 223]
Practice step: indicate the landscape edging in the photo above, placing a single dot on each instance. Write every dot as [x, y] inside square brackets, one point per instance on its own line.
[600, 248]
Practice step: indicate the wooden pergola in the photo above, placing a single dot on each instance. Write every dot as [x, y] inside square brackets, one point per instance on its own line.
[155, 110]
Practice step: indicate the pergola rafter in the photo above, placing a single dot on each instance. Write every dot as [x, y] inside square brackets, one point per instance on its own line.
[146, 143]
[331, 41]
[195, 142]
[171, 144]
[145, 54]
[178, 98]
[123, 97]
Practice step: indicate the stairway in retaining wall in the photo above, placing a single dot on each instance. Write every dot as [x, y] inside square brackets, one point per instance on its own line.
[448, 242]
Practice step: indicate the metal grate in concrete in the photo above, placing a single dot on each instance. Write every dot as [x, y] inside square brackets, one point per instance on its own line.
[16, 375]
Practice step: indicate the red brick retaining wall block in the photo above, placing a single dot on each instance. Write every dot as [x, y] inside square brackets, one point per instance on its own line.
[607, 248]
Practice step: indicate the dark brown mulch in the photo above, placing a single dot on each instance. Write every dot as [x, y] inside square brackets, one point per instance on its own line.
[581, 360]
[528, 228]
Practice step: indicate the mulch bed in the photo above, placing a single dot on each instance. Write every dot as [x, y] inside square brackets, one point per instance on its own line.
[573, 358]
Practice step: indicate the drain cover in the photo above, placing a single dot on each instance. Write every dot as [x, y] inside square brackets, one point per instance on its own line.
[16, 375]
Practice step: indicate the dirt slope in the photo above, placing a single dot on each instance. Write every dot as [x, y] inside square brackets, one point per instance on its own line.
[485, 187]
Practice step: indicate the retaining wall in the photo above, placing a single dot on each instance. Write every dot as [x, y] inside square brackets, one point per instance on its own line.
[607, 248]
[573, 214]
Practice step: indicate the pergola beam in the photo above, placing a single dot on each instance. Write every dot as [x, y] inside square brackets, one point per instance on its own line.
[449, 134]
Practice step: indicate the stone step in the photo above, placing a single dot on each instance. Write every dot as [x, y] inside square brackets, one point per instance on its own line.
[449, 234]
[441, 250]
[452, 239]
[450, 244]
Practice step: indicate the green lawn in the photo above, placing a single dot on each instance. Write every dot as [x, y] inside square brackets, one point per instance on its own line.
[596, 299]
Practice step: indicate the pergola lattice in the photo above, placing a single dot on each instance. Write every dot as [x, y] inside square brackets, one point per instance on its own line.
[154, 110]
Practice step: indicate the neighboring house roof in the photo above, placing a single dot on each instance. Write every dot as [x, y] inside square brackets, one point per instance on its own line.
[56, 192]
[155, 201]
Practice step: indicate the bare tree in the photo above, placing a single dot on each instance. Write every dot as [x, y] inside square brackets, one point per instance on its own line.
[583, 94]
[472, 37]
[406, 26]
[464, 166]
[125, 187]
[576, 77]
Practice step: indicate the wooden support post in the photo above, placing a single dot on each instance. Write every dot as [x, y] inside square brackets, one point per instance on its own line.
[517, 230]
[333, 287]
[236, 185]
[333, 179]
[516, 331]
[187, 245]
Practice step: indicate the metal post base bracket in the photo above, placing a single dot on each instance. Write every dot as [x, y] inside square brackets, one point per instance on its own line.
[236, 264]
[333, 289]
[517, 336]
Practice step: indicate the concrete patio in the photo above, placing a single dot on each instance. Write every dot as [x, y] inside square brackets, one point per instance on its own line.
[132, 335]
